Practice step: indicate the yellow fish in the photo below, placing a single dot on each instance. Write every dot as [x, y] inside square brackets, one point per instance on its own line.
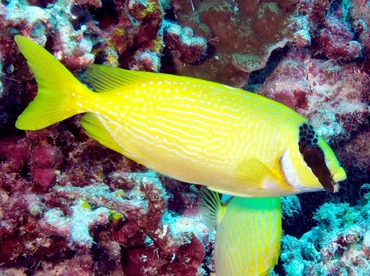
[196, 131]
[248, 233]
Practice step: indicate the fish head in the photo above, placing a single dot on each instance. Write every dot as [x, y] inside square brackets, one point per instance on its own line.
[309, 164]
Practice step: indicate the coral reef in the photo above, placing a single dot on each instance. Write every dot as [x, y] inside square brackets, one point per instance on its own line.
[241, 34]
[131, 34]
[334, 97]
[106, 211]
[338, 245]
[71, 206]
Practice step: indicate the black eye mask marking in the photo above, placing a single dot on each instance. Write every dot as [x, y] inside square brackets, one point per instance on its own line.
[314, 156]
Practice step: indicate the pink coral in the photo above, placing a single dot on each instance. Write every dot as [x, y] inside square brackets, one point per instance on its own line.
[183, 44]
[336, 41]
[59, 221]
[332, 96]
[360, 11]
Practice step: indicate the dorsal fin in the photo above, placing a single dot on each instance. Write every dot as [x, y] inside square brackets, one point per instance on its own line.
[105, 78]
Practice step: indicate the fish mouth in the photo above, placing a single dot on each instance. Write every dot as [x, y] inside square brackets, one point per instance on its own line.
[336, 188]
[331, 187]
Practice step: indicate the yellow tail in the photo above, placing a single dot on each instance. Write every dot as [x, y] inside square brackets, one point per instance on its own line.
[56, 88]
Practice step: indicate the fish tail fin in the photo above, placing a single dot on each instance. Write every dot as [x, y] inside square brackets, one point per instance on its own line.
[210, 207]
[57, 88]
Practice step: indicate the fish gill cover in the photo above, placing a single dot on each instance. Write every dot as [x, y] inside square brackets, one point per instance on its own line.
[313, 56]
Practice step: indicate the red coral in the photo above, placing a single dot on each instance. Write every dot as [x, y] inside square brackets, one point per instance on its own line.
[332, 96]
[355, 154]
[182, 43]
[46, 159]
[14, 154]
[336, 40]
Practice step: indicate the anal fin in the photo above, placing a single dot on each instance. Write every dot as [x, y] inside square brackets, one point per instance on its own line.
[96, 130]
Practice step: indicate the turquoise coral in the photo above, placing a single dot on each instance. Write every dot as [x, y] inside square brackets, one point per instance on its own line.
[338, 245]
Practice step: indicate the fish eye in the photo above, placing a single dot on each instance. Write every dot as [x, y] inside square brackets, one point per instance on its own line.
[314, 156]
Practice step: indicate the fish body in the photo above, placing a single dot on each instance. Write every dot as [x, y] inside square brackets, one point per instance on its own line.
[248, 233]
[193, 130]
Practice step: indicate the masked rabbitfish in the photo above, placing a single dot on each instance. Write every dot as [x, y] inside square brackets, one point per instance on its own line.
[196, 131]
[248, 233]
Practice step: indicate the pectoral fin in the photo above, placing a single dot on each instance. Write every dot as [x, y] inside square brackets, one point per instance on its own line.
[253, 172]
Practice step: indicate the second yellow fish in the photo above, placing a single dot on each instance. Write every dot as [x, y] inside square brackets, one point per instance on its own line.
[196, 131]
[248, 233]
